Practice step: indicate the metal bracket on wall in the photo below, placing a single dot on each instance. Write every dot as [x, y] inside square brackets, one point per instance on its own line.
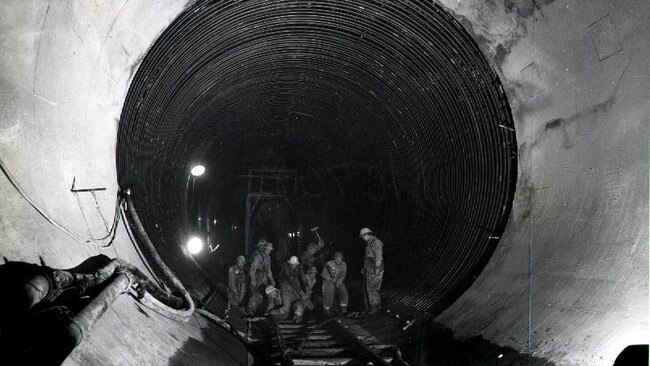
[75, 190]
[92, 191]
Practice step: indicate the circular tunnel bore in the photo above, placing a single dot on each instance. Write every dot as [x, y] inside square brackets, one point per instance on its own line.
[387, 112]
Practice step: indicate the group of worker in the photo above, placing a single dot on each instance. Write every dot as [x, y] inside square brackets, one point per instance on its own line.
[294, 291]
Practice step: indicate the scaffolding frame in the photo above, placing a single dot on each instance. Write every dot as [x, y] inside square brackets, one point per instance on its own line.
[267, 185]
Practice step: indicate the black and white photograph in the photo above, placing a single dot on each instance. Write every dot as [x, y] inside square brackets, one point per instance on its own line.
[324, 182]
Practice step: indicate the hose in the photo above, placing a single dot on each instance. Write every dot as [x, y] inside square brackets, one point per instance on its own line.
[227, 326]
[169, 278]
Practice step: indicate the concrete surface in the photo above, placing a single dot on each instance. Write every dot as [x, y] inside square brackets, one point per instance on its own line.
[64, 72]
[569, 280]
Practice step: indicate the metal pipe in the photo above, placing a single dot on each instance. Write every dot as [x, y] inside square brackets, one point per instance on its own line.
[81, 323]
[169, 277]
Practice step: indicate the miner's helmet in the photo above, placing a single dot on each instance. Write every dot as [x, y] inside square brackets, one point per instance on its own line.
[270, 289]
[365, 231]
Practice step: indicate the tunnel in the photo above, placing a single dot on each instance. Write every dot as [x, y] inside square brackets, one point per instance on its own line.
[389, 114]
[499, 149]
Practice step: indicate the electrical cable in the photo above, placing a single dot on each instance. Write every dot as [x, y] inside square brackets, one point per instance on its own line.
[52, 221]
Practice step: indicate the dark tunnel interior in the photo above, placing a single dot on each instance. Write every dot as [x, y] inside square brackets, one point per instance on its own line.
[382, 114]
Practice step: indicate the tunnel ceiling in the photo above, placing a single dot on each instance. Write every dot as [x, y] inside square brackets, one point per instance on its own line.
[396, 92]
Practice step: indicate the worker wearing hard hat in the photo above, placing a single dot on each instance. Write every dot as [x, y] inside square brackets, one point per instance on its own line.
[373, 270]
[274, 301]
[256, 297]
[291, 279]
[236, 283]
[261, 259]
[333, 275]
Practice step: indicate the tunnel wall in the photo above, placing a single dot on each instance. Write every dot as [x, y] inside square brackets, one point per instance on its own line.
[569, 279]
[64, 73]
[575, 73]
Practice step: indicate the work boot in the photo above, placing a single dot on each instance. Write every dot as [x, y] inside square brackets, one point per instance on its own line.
[344, 310]
[373, 310]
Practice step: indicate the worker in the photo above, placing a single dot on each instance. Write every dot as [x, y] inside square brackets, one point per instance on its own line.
[274, 301]
[373, 270]
[236, 283]
[256, 297]
[308, 256]
[261, 259]
[310, 282]
[333, 275]
[292, 278]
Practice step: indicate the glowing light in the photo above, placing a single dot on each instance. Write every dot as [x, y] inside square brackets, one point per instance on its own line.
[197, 170]
[194, 245]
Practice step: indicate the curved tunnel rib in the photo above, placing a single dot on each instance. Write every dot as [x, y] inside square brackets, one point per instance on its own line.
[395, 97]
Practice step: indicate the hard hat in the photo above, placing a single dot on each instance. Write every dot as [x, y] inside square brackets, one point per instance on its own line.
[365, 231]
[241, 258]
[268, 245]
[293, 260]
[269, 289]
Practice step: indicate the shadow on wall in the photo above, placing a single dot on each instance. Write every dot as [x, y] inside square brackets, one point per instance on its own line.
[217, 348]
[442, 348]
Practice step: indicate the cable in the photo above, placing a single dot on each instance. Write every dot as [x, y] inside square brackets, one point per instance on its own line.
[137, 248]
[93, 241]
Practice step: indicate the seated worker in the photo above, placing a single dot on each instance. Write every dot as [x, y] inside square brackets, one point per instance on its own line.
[236, 283]
[310, 282]
[256, 298]
[291, 279]
[274, 301]
[333, 275]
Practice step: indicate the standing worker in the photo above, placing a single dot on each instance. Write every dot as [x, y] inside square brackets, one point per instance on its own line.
[333, 275]
[373, 270]
[307, 258]
[261, 259]
[236, 283]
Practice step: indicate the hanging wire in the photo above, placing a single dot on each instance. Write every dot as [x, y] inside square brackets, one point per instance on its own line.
[97, 242]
